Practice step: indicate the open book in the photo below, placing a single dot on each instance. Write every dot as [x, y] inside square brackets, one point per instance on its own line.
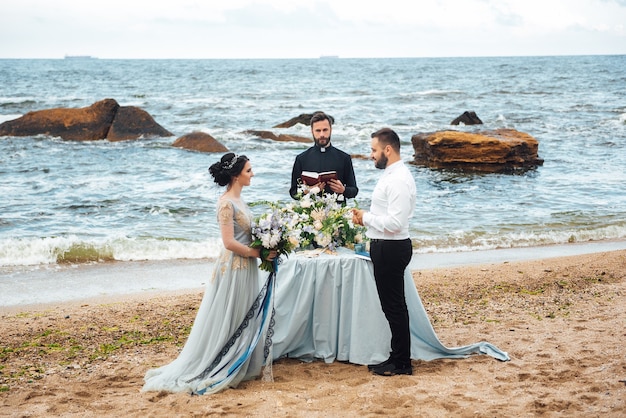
[310, 177]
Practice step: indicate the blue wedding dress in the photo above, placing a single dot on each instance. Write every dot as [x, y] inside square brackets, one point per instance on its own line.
[227, 343]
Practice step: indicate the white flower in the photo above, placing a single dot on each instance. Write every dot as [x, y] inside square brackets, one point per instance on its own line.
[265, 240]
[314, 190]
[306, 202]
[323, 239]
[293, 240]
[317, 224]
[276, 237]
[301, 190]
[318, 214]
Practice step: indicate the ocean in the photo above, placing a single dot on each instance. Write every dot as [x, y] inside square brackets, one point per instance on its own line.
[88, 202]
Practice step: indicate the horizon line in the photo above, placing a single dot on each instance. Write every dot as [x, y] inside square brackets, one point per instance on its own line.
[322, 57]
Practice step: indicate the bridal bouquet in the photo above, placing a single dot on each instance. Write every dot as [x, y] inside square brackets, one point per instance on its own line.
[273, 231]
[319, 220]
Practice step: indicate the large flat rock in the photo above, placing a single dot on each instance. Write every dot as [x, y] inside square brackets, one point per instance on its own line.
[499, 150]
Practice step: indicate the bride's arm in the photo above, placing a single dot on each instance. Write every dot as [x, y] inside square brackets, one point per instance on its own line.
[225, 218]
[230, 243]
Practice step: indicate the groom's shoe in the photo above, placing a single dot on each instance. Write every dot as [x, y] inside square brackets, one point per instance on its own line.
[371, 367]
[390, 369]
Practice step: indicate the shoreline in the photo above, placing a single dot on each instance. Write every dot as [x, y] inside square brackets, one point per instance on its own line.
[109, 282]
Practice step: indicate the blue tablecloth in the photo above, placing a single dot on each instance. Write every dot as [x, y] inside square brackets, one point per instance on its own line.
[327, 308]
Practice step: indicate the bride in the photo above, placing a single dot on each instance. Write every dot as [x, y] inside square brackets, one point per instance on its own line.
[226, 344]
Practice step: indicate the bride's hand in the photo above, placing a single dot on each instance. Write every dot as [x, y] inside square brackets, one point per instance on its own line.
[272, 255]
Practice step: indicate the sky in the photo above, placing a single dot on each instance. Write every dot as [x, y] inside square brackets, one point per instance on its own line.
[308, 29]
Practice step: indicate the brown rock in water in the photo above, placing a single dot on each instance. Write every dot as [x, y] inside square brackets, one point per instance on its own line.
[105, 119]
[83, 124]
[360, 157]
[199, 141]
[262, 134]
[500, 150]
[467, 118]
[280, 137]
[304, 118]
[131, 122]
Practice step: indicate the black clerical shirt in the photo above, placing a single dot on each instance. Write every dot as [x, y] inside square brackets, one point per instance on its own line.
[327, 159]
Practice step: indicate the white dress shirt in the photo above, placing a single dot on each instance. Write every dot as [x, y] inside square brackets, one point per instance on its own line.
[393, 203]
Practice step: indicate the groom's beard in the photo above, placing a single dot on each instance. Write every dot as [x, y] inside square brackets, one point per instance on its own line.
[382, 162]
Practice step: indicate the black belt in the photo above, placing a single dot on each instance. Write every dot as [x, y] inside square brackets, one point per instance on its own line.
[386, 240]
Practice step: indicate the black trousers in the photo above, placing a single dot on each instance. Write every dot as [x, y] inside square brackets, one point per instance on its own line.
[390, 259]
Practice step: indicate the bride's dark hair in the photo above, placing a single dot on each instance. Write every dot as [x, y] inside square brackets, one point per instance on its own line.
[229, 166]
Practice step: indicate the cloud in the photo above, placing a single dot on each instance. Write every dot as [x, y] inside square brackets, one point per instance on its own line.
[313, 16]
[621, 3]
[300, 29]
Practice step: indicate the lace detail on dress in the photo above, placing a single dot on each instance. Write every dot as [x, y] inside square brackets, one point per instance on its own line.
[228, 213]
[242, 218]
[268, 353]
[238, 262]
[225, 211]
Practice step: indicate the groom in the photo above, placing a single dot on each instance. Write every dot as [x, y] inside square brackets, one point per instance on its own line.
[387, 222]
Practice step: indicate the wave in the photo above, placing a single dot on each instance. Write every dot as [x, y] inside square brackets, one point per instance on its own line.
[4, 118]
[473, 241]
[75, 250]
[430, 93]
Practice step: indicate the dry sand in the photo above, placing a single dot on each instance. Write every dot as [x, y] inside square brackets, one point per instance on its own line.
[562, 321]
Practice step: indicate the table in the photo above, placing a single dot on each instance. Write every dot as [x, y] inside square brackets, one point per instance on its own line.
[327, 308]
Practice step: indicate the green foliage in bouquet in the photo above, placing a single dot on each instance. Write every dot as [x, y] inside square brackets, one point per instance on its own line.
[315, 220]
[320, 220]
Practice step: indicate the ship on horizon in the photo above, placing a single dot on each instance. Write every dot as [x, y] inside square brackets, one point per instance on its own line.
[79, 57]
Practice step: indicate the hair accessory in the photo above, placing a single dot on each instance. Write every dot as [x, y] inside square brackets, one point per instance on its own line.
[231, 163]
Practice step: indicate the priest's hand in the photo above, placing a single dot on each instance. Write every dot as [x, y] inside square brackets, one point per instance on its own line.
[336, 186]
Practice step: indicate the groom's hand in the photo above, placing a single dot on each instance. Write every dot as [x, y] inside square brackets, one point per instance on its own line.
[357, 216]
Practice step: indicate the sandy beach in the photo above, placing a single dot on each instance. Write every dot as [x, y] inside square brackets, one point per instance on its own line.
[562, 321]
